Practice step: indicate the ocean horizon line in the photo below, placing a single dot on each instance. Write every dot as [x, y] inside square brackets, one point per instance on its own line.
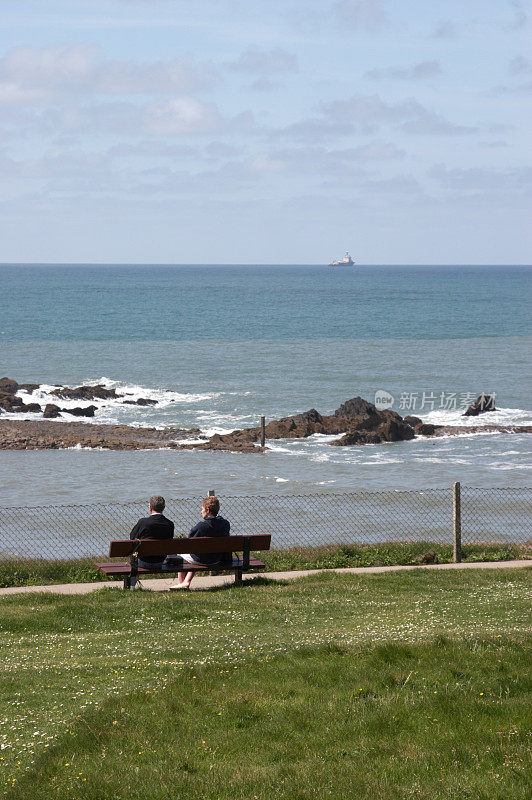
[241, 264]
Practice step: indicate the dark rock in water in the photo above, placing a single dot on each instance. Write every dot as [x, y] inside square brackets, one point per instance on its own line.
[368, 425]
[51, 411]
[142, 401]
[357, 437]
[357, 407]
[29, 387]
[14, 404]
[97, 392]
[413, 421]
[8, 386]
[425, 429]
[296, 427]
[483, 403]
[9, 402]
[360, 422]
[392, 431]
[80, 412]
[30, 408]
[237, 440]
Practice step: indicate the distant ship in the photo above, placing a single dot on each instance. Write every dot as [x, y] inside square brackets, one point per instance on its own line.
[346, 261]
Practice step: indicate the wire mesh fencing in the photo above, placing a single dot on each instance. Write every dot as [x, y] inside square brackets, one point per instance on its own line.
[497, 515]
[311, 521]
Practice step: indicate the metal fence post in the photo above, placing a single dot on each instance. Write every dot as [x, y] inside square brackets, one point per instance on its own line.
[262, 431]
[457, 523]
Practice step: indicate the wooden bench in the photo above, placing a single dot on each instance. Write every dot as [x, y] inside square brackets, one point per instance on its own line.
[138, 548]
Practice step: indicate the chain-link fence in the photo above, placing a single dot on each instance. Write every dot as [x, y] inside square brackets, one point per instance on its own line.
[488, 516]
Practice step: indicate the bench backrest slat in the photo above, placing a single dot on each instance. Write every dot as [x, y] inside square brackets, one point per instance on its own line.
[204, 544]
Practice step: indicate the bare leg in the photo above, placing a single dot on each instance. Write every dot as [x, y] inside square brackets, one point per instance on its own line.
[183, 580]
[187, 578]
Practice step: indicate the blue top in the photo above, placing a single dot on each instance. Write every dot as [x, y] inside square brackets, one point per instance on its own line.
[210, 526]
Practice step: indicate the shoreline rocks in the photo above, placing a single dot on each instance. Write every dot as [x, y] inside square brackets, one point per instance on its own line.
[355, 422]
[13, 404]
[51, 435]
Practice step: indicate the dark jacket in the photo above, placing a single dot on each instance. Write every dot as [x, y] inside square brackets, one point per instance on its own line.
[156, 526]
[211, 526]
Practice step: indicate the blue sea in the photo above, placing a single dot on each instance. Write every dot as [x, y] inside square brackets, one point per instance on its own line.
[219, 346]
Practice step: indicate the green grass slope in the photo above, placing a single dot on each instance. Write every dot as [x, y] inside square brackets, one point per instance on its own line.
[387, 686]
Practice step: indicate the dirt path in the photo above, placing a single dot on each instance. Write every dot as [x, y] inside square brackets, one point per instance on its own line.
[207, 582]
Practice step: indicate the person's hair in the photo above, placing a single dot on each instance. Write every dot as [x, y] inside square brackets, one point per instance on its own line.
[211, 505]
[157, 503]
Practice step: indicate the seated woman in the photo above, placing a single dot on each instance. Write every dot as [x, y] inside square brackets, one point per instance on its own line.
[211, 525]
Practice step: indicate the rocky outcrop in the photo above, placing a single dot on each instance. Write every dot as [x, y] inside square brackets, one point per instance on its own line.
[55, 434]
[9, 402]
[13, 404]
[48, 434]
[51, 411]
[412, 421]
[8, 386]
[390, 430]
[31, 408]
[456, 430]
[426, 429]
[483, 404]
[97, 392]
[78, 411]
[357, 408]
[360, 422]
[142, 401]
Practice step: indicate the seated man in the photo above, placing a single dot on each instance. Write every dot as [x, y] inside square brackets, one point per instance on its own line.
[211, 525]
[156, 526]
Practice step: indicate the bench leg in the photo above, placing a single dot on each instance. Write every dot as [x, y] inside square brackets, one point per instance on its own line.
[238, 577]
[127, 582]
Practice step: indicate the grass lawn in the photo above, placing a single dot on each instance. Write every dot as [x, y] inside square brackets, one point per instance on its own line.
[382, 686]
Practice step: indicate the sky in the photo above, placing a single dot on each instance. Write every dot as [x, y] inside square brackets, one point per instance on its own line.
[265, 131]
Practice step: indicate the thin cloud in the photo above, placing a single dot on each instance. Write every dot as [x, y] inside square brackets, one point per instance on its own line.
[419, 71]
[37, 76]
[263, 85]
[264, 62]
[315, 160]
[520, 66]
[479, 181]
[366, 113]
[366, 15]
[520, 17]
[444, 30]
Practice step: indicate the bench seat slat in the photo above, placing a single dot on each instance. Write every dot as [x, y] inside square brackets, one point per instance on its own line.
[124, 568]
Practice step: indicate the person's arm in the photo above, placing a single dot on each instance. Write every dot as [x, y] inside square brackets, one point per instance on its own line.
[135, 531]
[195, 531]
